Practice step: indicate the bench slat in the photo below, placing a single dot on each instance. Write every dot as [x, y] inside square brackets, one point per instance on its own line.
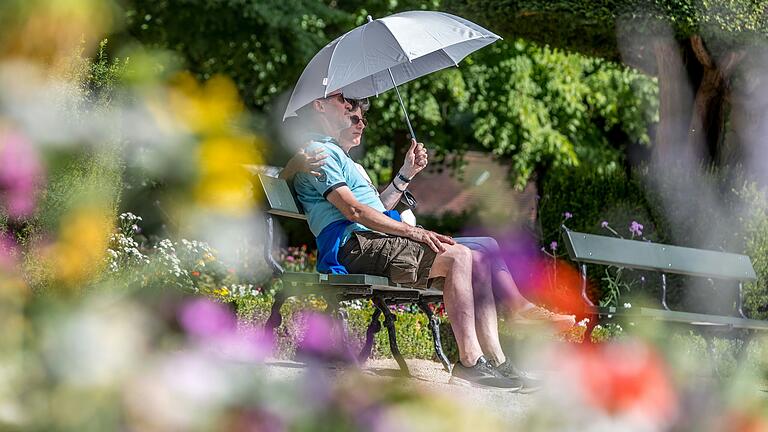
[596, 249]
[357, 279]
[697, 319]
[379, 284]
[703, 319]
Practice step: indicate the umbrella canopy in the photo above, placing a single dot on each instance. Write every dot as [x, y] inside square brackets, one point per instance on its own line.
[387, 52]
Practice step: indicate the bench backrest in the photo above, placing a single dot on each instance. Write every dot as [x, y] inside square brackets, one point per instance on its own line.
[597, 249]
[278, 197]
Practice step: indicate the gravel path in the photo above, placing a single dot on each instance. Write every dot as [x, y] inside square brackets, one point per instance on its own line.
[427, 376]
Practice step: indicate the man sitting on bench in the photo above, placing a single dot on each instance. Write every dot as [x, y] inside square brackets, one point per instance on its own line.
[356, 234]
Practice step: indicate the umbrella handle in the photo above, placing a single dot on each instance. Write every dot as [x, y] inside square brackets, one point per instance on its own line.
[400, 98]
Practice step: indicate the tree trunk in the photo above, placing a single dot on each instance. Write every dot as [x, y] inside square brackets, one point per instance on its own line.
[708, 117]
[675, 101]
[692, 99]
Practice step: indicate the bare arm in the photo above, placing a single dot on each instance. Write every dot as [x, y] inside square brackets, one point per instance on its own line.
[415, 161]
[343, 199]
[304, 161]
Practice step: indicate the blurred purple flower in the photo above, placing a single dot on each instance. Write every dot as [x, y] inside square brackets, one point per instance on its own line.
[318, 337]
[604, 224]
[214, 327]
[318, 342]
[553, 246]
[636, 229]
[205, 318]
[249, 345]
[9, 252]
[20, 175]
[567, 215]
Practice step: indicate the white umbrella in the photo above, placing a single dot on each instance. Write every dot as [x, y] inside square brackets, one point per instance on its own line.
[385, 53]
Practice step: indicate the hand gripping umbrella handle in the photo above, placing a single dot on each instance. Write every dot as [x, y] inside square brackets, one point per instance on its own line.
[400, 98]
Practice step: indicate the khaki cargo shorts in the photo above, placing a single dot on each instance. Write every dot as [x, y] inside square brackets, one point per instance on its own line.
[400, 259]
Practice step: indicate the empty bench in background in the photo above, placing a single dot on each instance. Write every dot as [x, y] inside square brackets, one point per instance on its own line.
[666, 259]
[279, 200]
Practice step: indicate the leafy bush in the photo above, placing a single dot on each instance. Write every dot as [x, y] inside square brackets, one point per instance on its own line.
[413, 335]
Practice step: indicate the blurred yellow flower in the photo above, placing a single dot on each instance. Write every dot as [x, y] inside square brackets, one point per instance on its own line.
[223, 184]
[78, 254]
[50, 31]
[222, 292]
[210, 108]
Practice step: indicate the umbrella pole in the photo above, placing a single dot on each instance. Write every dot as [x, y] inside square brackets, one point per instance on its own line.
[402, 105]
[400, 98]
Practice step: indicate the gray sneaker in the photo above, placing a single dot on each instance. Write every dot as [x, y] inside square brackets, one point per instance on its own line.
[528, 383]
[482, 374]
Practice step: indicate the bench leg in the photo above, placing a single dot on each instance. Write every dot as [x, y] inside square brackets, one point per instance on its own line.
[275, 318]
[389, 323]
[743, 351]
[710, 339]
[373, 328]
[434, 327]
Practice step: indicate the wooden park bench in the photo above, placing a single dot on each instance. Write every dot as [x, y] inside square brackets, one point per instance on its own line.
[727, 268]
[279, 200]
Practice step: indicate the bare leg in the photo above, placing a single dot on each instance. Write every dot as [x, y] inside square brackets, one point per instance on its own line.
[503, 283]
[486, 321]
[455, 264]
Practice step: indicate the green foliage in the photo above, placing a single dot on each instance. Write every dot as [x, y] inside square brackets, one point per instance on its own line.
[544, 108]
[592, 197]
[261, 45]
[88, 174]
[413, 335]
[756, 236]
[534, 106]
[591, 27]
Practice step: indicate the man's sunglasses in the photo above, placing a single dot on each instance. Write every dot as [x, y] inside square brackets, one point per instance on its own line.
[357, 119]
[362, 103]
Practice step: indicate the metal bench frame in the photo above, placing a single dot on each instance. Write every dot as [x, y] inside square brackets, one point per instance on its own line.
[280, 201]
[665, 259]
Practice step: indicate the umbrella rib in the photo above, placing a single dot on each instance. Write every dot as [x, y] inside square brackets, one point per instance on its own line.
[330, 61]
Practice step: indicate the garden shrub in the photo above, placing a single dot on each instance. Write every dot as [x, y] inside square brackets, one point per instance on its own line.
[413, 335]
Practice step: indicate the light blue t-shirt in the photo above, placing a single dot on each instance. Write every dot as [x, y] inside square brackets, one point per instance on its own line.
[339, 170]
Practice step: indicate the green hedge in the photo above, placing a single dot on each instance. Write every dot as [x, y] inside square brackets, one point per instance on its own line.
[413, 335]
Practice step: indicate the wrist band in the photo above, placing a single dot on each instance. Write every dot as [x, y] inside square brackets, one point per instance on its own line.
[397, 188]
[404, 178]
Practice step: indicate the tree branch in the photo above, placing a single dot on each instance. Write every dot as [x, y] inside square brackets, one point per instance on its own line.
[697, 43]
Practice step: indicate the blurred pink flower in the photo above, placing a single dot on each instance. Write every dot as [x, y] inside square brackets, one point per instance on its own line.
[318, 342]
[20, 175]
[8, 251]
[214, 326]
[205, 318]
[318, 338]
